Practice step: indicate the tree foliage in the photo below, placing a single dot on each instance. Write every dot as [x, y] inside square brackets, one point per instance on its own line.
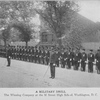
[58, 15]
[20, 12]
[26, 32]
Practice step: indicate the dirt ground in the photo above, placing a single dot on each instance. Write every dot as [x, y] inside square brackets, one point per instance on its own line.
[25, 74]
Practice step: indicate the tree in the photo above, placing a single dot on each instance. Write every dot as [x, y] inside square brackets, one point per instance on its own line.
[26, 31]
[58, 16]
[5, 35]
[20, 12]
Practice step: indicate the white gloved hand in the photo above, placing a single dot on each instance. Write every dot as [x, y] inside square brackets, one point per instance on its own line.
[54, 64]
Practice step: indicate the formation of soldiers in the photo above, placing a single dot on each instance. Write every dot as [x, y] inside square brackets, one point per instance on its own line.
[66, 58]
[31, 54]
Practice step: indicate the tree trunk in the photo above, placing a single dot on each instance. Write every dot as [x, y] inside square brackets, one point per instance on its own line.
[5, 43]
[59, 41]
[26, 44]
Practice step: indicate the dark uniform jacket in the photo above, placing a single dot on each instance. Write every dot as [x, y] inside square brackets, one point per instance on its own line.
[91, 57]
[77, 56]
[97, 57]
[9, 53]
[83, 56]
[70, 56]
[53, 57]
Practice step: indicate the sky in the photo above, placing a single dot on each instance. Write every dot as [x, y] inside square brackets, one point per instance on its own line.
[90, 9]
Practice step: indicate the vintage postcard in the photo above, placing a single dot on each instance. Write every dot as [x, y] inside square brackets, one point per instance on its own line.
[49, 49]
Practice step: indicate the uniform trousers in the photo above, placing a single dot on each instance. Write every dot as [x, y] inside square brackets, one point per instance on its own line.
[90, 66]
[69, 63]
[63, 63]
[76, 63]
[57, 62]
[52, 70]
[47, 60]
[9, 61]
[83, 65]
[98, 67]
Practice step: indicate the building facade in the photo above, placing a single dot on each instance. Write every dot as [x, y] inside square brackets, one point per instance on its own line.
[47, 39]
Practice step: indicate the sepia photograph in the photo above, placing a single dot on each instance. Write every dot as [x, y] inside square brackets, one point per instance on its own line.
[50, 44]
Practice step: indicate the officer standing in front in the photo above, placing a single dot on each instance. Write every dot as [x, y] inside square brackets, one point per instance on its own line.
[53, 59]
[8, 54]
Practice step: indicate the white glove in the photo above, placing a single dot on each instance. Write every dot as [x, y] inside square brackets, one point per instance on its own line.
[54, 64]
[86, 61]
[94, 62]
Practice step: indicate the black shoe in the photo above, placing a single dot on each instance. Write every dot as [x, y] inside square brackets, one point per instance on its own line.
[8, 65]
[50, 77]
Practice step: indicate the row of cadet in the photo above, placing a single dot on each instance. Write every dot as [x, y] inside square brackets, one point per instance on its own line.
[31, 54]
[65, 58]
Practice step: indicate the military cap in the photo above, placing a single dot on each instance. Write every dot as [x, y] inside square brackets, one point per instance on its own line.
[83, 49]
[91, 50]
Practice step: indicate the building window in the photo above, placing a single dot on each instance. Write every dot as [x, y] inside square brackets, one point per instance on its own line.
[44, 38]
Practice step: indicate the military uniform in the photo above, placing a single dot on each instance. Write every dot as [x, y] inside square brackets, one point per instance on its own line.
[72, 57]
[53, 59]
[63, 59]
[29, 54]
[97, 57]
[83, 60]
[69, 59]
[39, 56]
[36, 55]
[58, 58]
[43, 56]
[77, 58]
[33, 54]
[47, 55]
[90, 61]
[9, 55]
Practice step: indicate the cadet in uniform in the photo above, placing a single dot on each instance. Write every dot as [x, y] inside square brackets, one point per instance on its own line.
[29, 54]
[72, 56]
[33, 54]
[58, 57]
[63, 58]
[39, 55]
[97, 57]
[43, 56]
[12, 50]
[90, 61]
[83, 60]
[47, 54]
[8, 54]
[77, 58]
[69, 59]
[53, 59]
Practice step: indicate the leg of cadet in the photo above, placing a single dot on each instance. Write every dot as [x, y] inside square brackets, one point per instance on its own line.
[51, 69]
